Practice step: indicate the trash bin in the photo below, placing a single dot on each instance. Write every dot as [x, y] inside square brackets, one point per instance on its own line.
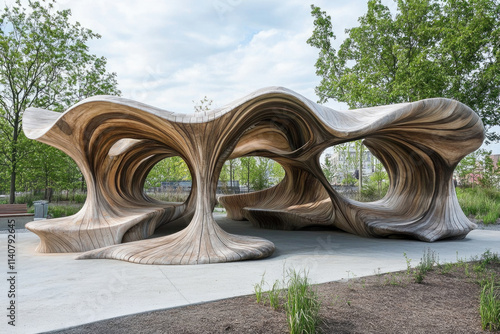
[41, 208]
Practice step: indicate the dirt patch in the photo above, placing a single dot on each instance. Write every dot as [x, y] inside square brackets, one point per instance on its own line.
[446, 302]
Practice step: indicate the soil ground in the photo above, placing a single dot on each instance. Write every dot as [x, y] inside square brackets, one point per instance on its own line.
[447, 301]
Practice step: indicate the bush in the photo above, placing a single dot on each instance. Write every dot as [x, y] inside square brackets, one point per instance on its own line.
[79, 198]
[481, 202]
[56, 211]
[170, 196]
[28, 199]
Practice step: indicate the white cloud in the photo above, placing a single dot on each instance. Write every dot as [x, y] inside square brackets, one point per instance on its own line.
[170, 53]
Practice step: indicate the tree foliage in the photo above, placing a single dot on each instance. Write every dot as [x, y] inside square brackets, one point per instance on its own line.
[427, 48]
[255, 173]
[377, 184]
[260, 178]
[44, 62]
[330, 169]
[478, 168]
[203, 105]
[170, 170]
[342, 166]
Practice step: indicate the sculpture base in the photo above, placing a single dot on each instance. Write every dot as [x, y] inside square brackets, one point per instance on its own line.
[202, 242]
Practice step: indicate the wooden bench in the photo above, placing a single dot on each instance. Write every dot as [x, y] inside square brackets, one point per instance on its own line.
[14, 210]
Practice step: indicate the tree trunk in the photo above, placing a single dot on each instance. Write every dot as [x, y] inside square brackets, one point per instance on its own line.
[13, 174]
[231, 176]
[82, 183]
[360, 168]
[49, 195]
[248, 176]
[13, 158]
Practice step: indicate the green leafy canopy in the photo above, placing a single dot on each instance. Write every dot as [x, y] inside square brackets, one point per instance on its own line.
[44, 62]
[426, 49]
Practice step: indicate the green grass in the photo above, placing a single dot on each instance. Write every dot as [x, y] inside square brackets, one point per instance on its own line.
[29, 198]
[56, 211]
[427, 262]
[274, 295]
[258, 290]
[71, 197]
[483, 203]
[302, 305]
[297, 298]
[489, 299]
[489, 305]
[21, 199]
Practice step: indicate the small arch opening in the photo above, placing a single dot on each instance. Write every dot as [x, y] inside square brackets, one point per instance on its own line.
[346, 165]
[169, 180]
[249, 174]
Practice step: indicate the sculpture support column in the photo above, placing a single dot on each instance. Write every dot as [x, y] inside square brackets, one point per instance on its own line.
[202, 241]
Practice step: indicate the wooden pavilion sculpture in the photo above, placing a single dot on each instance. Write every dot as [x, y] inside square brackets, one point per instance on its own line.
[116, 142]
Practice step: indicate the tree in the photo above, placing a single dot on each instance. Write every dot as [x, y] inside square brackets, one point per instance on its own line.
[247, 165]
[428, 48]
[467, 169]
[329, 169]
[347, 162]
[45, 63]
[227, 174]
[259, 177]
[170, 169]
[478, 168]
[380, 178]
[489, 177]
[276, 173]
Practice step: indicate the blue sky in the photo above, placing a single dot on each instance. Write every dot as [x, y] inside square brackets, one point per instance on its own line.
[171, 53]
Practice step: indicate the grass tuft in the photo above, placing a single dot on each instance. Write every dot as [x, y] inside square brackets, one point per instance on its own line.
[258, 290]
[302, 305]
[489, 305]
[299, 300]
[274, 295]
[427, 262]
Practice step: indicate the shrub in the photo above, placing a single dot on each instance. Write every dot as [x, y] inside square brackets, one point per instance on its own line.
[170, 196]
[28, 199]
[481, 202]
[56, 211]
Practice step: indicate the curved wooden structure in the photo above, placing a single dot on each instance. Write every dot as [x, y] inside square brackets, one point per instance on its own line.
[116, 142]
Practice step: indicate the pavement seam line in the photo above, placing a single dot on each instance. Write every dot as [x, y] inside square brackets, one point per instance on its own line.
[175, 287]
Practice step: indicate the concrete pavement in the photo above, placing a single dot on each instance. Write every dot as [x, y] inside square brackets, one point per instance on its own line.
[54, 291]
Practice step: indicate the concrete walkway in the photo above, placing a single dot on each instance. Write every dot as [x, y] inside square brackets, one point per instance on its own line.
[54, 291]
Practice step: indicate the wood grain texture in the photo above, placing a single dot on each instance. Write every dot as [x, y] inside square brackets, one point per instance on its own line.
[116, 142]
